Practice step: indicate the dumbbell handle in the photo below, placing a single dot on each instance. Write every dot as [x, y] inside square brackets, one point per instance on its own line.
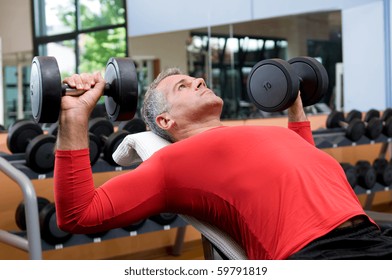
[343, 124]
[66, 90]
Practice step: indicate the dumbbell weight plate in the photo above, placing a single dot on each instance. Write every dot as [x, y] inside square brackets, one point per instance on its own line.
[314, 79]
[387, 129]
[352, 115]
[121, 76]
[374, 125]
[164, 218]
[355, 130]
[272, 86]
[135, 226]
[374, 128]
[48, 225]
[334, 118]
[100, 127]
[386, 114]
[386, 118]
[383, 170]
[45, 89]
[20, 213]
[111, 144]
[94, 148]
[40, 153]
[371, 114]
[133, 126]
[351, 174]
[20, 134]
[367, 176]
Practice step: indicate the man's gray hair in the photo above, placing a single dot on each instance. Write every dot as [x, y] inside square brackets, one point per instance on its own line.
[155, 103]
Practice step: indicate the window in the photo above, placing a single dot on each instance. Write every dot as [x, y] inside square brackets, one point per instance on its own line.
[81, 34]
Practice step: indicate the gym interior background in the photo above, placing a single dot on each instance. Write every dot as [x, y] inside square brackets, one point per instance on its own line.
[218, 40]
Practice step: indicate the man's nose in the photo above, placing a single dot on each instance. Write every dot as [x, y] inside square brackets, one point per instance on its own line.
[199, 83]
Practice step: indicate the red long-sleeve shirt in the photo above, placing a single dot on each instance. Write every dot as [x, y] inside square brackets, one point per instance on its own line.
[270, 188]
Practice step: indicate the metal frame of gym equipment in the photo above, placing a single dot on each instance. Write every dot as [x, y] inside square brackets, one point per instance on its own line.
[32, 244]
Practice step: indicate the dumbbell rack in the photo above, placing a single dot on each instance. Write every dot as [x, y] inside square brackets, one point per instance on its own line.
[330, 138]
[14, 167]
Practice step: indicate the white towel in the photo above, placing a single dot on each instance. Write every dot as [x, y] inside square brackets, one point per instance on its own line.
[138, 147]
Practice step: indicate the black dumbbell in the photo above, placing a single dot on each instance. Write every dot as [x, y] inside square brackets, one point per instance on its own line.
[133, 126]
[273, 84]
[46, 89]
[352, 115]
[94, 148]
[386, 120]
[351, 173]
[135, 226]
[164, 218]
[372, 121]
[109, 140]
[27, 137]
[20, 213]
[354, 130]
[383, 171]
[50, 232]
[374, 124]
[366, 175]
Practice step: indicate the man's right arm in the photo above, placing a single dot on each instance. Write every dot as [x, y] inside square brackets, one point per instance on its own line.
[80, 206]
[298, 121]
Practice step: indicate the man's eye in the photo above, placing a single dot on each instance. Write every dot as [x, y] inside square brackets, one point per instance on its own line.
[181, 86]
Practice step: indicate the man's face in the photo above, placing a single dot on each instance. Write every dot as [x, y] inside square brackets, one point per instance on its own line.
[189, 98]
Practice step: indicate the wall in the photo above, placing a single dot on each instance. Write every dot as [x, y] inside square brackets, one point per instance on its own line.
[174, 15]
[15, 26]
[168, 47]
[364, 57]
[149, 19]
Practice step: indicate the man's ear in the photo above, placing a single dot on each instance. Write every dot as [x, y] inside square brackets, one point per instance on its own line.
[164, 121]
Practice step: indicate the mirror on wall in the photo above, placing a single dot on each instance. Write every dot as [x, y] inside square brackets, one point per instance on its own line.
[224, 55]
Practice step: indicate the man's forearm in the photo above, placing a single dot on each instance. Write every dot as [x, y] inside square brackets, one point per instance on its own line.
[72, 134]
[296, 111]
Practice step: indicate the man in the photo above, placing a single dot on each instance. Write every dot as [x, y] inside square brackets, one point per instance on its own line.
[268, 187]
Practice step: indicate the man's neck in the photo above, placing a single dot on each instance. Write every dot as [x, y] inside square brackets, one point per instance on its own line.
[195, 128]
